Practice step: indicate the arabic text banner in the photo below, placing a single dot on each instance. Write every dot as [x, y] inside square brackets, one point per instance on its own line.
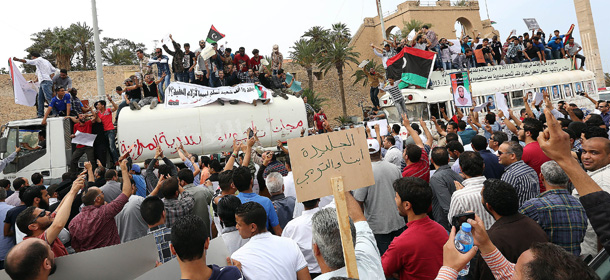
[185, 95]
[317, 159]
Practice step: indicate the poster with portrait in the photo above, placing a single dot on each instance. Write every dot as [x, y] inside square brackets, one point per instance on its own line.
[567, 90]
[578, 88]
[555, 93]
[460, 88]
[531, 93]
[491, 99]
[590, 87]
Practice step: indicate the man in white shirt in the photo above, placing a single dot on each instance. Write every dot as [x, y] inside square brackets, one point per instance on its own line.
[393, 154]
[226, 213]
[467, 196]
[327, 247]
[299, 230]
[44, 72]
[266, 256]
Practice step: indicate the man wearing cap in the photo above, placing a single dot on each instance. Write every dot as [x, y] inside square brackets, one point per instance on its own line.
[44, 73]
[383, 217]
[276, 59]
[137, 177]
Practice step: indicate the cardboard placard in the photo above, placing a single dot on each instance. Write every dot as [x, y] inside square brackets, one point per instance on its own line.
[383, 127]
[124, 261]
[317, 159]
[478, 54]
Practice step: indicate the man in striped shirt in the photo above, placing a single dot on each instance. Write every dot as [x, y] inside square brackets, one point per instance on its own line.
[467, 196]
[399, 100]
[520, 175]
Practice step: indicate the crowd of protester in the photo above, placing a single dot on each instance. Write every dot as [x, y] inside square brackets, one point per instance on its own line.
[515, 49]
[535, 182]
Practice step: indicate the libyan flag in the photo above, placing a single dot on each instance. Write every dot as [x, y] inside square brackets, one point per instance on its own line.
[411, 66]
[214, 36]
[262, 92]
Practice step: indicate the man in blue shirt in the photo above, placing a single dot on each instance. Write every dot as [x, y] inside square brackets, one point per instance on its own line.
[242, 179]
[60, 105]
[465, 135]
[546, 53]
[162, 62]
[556, 48]
[493, 168]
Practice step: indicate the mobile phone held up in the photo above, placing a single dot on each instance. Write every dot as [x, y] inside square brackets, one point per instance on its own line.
[250, 134]
[457, 220]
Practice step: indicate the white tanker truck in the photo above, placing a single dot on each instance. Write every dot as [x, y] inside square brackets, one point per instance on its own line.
[202, 130]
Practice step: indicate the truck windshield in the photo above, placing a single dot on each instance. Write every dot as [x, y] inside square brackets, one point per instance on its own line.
[414, 112]
[11, 141]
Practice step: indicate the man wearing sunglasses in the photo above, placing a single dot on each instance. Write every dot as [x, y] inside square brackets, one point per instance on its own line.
[162, 62]
[42, 224]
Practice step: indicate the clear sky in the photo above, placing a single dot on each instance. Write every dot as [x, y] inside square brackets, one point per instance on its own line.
[257, 24]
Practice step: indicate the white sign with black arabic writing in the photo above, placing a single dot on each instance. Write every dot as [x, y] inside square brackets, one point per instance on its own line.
[498, 72]
[185, 95]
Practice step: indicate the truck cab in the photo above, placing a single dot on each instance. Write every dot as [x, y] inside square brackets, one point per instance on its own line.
[51, 163]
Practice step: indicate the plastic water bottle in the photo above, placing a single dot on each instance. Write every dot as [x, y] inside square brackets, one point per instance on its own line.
[463, 243]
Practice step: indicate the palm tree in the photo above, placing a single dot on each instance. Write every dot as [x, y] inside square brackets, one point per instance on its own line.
[318, 35]
[339, 31]
[83, 37]
[62, 46]
[305, 54]
[412, 25]
[338, 54]
[360, 74]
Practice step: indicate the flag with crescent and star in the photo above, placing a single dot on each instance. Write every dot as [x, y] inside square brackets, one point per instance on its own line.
[214, 36]
[411, 66]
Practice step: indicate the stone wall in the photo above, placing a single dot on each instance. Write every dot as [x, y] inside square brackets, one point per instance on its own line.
[85, 82]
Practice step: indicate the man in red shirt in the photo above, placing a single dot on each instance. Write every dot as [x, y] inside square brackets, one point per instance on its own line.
[532, 153]
[240, 57]
[416, 155]
[104, 115]
[94, 227]
[40, 223]
[319, 118]
[255, 61]
[84, 126]
[418, 252]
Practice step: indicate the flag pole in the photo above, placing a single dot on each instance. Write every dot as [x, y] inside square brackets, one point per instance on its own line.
[98, 53]
[380, 12]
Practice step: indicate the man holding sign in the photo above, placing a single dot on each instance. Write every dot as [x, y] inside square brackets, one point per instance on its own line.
[329, 252]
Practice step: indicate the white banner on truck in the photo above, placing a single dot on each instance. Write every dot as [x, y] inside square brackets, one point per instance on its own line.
[185, 95]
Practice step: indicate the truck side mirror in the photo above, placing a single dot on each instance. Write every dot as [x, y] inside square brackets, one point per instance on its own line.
[3, 142]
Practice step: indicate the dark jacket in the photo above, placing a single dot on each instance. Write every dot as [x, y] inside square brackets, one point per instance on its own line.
[512, 235]
[597, 206]
[178, 54]
[493, 169]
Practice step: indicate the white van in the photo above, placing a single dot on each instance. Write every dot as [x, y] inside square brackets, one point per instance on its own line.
[201, 130]
[514, 80]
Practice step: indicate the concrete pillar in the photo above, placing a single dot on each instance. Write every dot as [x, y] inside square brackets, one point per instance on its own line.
[588, 39]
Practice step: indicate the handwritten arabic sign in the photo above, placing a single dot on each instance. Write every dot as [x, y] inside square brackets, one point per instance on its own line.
[508, 71]
[317, 159]
[185, 95]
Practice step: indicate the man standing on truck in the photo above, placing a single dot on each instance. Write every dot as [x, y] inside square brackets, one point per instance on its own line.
[104, 115]
[44, 73]
[399, 100]
[60, 105]
[84, 126]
